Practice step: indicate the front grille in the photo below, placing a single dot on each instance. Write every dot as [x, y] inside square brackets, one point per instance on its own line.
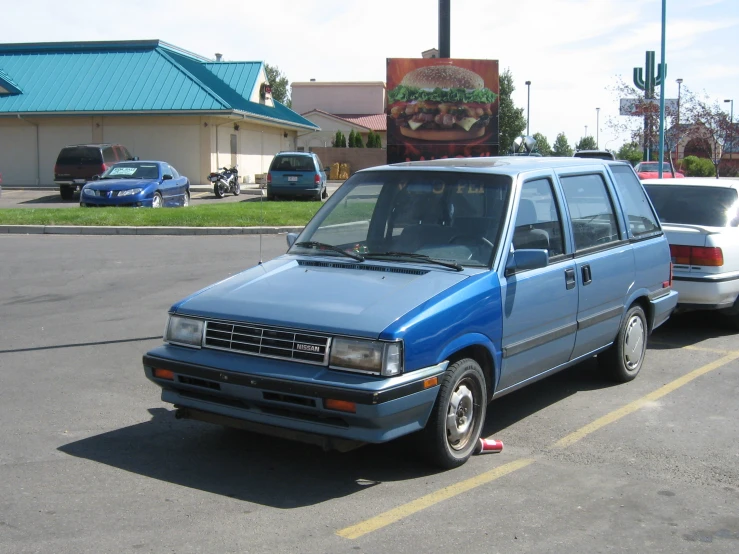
[266, 341]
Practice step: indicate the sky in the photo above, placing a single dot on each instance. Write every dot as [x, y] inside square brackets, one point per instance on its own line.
[572, 51]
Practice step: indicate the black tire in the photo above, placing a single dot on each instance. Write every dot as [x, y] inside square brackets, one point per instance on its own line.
[220, 188]
[624, 359]
[66, 192]
[186, 199]
[324, 196]
[462, 401]
[237, 188]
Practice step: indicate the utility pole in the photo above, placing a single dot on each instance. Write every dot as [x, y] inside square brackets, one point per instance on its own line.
[597, 128]
[444, 28]
[528, 107]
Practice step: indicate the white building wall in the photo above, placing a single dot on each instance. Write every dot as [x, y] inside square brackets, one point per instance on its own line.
[17, 152]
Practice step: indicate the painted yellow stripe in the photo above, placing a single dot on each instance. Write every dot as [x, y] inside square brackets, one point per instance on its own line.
[690, 347]
[396, 514]
[636, 404]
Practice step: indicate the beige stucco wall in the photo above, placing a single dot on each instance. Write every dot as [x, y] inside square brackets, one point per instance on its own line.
[339, 97]
[194, 145]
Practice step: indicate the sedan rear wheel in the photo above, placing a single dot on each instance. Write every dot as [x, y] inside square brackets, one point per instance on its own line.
[156, 202]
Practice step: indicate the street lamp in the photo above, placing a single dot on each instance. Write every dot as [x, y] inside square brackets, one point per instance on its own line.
[597, 128]
[528, 106]
[731, 128]
[677, 140]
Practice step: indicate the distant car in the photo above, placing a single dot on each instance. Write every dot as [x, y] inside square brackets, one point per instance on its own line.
[650, 170]
[597, 154]
[297, 174]
[137, 184]
[77, 164]
[700, 218]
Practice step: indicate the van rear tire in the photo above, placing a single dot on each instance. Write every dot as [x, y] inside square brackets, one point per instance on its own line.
[66, 192]
[623, 360]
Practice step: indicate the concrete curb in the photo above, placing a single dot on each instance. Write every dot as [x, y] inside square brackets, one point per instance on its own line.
[101, 230]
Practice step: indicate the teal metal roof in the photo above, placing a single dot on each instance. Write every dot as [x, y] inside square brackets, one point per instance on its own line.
[129, 76]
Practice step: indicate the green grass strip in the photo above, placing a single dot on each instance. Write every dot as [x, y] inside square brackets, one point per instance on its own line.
[232, 214]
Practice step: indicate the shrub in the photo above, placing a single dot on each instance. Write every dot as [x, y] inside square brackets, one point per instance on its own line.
[358, 141]
[352, 139]
[698, 167]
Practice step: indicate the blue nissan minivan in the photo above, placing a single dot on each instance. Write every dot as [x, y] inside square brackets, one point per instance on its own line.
[297, 175]
[417, 294]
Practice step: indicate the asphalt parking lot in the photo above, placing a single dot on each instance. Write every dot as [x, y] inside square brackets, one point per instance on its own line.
[93, 461]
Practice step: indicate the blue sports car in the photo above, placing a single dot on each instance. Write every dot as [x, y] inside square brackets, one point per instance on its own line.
[137, 184]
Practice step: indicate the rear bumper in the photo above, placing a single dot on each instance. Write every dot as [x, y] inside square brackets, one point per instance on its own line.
[662, 304]
[294, 190]
[401, 406]
[707, 292]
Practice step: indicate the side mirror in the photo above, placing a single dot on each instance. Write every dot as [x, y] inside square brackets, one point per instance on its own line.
[291, 238]
[327, 169]
[167, 177]
[95, 177]
[524, 259]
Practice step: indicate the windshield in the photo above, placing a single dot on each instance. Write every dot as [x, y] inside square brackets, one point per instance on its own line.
[402, 216]
[132, 170]
[700, 205]
[652, 166]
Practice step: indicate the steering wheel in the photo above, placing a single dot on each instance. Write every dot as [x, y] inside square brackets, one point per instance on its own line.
[471, 240]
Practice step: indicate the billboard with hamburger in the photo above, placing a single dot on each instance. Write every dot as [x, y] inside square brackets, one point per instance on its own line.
[441, 108]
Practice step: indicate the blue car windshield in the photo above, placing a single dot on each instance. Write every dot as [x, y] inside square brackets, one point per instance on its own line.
[403, 216]
[132, 170]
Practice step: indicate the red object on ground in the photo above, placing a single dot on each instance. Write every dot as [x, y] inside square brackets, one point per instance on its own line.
[486, 446]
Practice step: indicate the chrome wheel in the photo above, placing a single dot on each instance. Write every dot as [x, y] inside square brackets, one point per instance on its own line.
[156, 202]
[186, 200]
[634, 342]
[460, 416]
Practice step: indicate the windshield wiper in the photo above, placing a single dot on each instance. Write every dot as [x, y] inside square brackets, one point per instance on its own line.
[421, 257]
[324, 246]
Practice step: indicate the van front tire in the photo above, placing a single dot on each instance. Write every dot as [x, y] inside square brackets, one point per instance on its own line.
[66, 192]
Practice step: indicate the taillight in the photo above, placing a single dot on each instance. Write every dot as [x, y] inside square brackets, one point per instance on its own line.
[103, 167]
[697, 255]
[56, 169]
[317, 179]
[269, 177]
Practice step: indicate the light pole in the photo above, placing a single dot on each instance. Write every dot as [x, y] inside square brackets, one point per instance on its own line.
[731, 128]
[677, 140]
[597, 128]
[528, 107]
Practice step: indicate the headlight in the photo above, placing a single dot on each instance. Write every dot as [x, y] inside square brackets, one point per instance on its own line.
[129, 192]
[184, 330]
[90, 192]
[382, 358]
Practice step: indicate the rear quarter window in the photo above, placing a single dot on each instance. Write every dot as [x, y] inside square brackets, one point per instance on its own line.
[642, 219]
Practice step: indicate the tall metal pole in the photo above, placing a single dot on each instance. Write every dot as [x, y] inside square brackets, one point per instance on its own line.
[731, 129]
[662, 94]
[444, 28]
[597, 128]
[528, 107]
[677, 140]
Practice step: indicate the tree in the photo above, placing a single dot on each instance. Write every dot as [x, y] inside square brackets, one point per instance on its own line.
[708, 121]
[630, 151]
[339, 140]
[279, 84]
[542, 145]
[561, 146]
[358, 141]
[586, 143]
[352, 139]
[511, 121]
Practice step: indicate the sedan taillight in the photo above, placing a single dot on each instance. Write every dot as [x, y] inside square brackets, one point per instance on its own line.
[696, 255]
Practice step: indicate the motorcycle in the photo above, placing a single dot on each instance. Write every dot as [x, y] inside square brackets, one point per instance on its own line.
[225, 181]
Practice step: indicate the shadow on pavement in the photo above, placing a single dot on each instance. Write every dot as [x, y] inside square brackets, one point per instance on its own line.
[690, 328]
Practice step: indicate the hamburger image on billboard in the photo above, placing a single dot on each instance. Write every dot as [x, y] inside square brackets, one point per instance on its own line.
[435, 102]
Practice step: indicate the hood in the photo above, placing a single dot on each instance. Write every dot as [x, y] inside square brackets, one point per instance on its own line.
[321, 294]
[120, 184]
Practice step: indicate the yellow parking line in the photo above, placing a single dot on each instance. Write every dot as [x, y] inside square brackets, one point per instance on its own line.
[690, 347]
[636, 404]
[391, 516]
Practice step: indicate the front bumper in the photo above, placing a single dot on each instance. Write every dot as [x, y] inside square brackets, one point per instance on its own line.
[386, 408]
[132, 201]
[707, 292]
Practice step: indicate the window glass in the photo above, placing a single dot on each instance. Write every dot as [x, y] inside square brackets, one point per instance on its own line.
[695, 205]
[132, 170]
[79, 155]
[292, 163]
[591, 210]
[538, 223]
[109, 155]
[642, 219]
[173, 172]
[446, 216]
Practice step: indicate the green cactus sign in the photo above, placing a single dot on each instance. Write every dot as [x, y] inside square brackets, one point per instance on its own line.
[645, 79]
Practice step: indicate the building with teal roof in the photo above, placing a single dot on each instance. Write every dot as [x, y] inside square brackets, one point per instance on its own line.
[158, 100]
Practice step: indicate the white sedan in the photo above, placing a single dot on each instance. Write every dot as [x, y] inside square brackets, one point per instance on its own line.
[700, 217]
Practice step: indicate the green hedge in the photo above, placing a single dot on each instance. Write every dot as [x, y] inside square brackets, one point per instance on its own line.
[694, 166]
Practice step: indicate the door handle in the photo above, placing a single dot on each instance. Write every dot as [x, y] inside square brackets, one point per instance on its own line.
[587, 276]
[570, 278]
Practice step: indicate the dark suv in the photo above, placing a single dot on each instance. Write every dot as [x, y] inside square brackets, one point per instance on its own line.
[77, 164]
